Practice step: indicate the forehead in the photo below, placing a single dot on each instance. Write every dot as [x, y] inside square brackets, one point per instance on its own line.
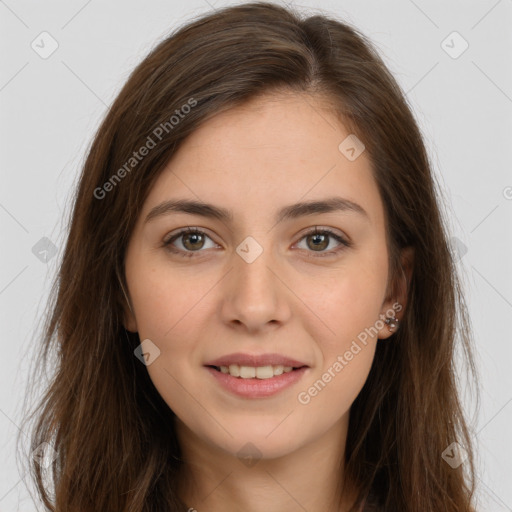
[271, 151]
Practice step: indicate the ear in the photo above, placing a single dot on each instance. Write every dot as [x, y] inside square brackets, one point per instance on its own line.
[396, 301]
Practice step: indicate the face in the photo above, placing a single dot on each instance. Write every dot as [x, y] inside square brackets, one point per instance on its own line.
[301, 287]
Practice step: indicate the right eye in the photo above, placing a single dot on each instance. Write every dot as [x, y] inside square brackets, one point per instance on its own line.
[193, 240]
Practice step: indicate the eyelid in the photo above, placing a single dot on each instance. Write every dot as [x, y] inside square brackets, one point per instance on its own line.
[186, 230]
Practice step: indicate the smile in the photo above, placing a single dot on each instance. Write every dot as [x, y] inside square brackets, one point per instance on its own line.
[256, 382]
[251, 372]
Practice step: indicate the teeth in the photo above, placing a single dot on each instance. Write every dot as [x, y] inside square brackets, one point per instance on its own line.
[264, 372]
[234, 370]
[251, 372]
[247, 372]
[278, 370]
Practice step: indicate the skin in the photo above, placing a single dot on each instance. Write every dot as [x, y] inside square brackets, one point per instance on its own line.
[271, 152]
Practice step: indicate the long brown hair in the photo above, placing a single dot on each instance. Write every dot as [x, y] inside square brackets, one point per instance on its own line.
[110, 431]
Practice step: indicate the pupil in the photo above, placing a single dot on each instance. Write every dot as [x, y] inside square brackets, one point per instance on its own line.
[322, 240]
[195, 238]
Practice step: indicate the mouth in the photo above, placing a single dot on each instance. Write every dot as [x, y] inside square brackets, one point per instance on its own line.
[255, 372]
[252, 382]
[256, 375]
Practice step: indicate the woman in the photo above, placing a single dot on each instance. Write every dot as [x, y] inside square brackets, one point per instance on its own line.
[257, 304]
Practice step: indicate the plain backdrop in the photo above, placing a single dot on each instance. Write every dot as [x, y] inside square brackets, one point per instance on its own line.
[453, 59]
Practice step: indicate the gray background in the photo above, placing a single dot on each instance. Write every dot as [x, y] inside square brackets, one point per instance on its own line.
[51, 108]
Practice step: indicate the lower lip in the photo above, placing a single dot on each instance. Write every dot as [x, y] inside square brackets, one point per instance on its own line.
[257, 388]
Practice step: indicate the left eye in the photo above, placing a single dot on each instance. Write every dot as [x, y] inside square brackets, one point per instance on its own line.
[193, 241]
[320, 239]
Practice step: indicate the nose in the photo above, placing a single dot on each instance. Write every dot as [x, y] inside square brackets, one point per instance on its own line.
[256, 296]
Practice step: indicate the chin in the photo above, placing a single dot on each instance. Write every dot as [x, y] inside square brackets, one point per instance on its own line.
[269, 438]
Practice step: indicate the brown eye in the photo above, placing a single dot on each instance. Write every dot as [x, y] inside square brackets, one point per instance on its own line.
[192, 241]
[318, 241]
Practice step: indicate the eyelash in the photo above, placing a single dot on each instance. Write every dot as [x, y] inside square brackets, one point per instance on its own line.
[324, 231]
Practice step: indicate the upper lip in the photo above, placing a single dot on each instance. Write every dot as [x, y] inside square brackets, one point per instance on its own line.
[255, 360]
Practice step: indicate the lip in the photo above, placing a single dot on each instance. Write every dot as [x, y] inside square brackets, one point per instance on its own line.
[255, 360]
[257, 388]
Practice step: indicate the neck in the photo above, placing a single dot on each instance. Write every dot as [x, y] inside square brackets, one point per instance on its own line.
[309, 478]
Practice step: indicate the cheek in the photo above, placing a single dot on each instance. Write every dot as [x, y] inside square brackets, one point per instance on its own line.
[165, 301]
[349, 309]
[349, 306]
[172, 310]
[169, 308]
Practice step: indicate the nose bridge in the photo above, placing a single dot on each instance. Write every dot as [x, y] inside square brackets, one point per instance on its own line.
[252, 262]
[256, 295]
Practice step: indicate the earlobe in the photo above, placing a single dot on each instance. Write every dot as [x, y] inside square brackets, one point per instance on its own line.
[390, 324]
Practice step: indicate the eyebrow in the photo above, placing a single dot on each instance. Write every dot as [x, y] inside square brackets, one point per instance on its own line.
[293, 211]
